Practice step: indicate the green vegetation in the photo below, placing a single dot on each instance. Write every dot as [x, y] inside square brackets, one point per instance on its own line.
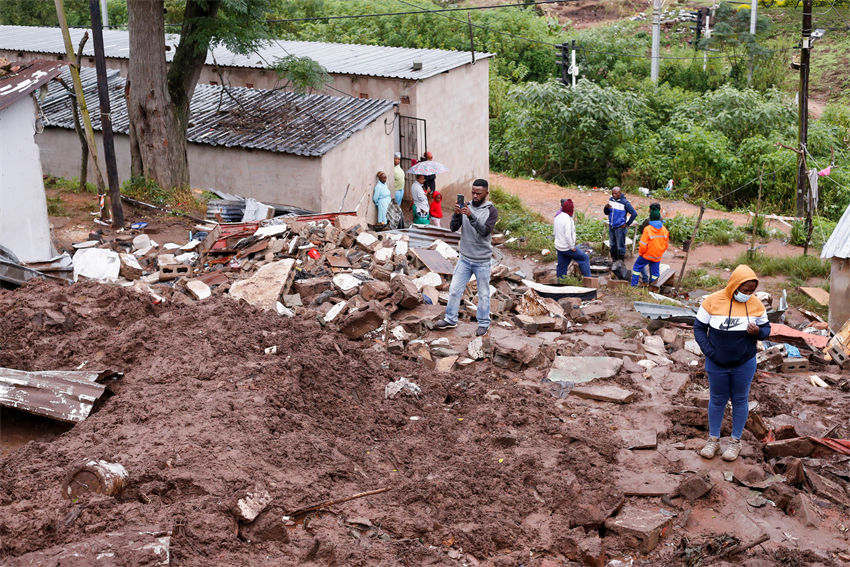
[146, 190]
[821, 229]
[532, 231]
[801, 268]
[55, 206]
[714, 231]
[700, 278]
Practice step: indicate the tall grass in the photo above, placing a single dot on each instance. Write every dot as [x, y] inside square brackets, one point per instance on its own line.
[799, 267]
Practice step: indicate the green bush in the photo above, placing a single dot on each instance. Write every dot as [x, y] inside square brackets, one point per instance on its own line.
[800, 267]
[821, 229]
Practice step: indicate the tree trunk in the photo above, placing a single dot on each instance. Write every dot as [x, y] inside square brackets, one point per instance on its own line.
[159, 139]
[158, 97]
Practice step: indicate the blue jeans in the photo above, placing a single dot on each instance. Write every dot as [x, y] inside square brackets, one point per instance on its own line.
[726, 383]
[617, 240]
[461, 276]
[637, 270]
[567, 256]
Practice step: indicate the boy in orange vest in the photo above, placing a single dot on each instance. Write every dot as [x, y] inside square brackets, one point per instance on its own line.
[653, 243]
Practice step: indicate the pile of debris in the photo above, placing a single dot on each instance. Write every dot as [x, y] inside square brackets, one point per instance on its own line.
[390, 285]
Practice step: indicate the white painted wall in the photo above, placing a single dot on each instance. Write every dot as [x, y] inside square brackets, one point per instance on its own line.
[357, 162]
[24, 227]
[309, 182]
[839, 293]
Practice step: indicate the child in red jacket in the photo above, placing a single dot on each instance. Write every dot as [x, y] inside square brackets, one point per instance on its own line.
[436, 207]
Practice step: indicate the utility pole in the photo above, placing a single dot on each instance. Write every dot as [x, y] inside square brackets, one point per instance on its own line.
[573, 66]
[656, 39]
[106, 118]
[707, 34]
[754, 5]
[104, 13]
[81, 100]
[803, 108]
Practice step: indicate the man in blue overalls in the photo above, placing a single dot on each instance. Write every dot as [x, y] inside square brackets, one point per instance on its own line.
[621, 214]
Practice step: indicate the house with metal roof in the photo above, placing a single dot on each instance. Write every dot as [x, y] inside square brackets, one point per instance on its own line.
[24, 227]
[313, 151]
[442, 95]
[837, 250]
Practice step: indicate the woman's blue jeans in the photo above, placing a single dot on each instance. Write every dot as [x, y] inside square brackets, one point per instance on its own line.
[725, 384]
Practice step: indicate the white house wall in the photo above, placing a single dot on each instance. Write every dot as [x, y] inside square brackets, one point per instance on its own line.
[24, 227]
[455, 106]
[356, 163]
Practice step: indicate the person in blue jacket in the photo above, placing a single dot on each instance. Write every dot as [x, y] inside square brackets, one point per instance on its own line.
[381, 197]
[727, 326]
[621, 214]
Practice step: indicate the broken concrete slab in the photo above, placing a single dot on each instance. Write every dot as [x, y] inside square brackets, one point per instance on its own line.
[405, 294]
[795, 447]
[375, 290]
[445, 364]
[361, 322]
[346, 282]
[402, 385]
[334, 311]
[247, 507]
[639, 438]
[645, 484]
[646, 525]
[263, 288]
[604, 393]
[309, 288]
[654, 344]
[581, 369]
[130, 267]
[694, 486]
[517, 348]
[198, 289]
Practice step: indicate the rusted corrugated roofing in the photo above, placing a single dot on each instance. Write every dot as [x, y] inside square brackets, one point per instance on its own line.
[275, 121]
[337, 58]
[66, 395]
[29, 78]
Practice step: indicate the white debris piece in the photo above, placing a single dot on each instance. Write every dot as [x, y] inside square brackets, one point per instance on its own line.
[271, 230]
[399, 333]
[431, 278]
[366, 240]
[141, 241]
[86, 244]
[392, 389]
[171, 246]
[283, 310]
[401, 249]
[143, 251]
[165, 260]
[383, 254]
[191, 245]
[445, 250]
[476, 348]
[346, 282]
[693, 347]
[198, 289]
[187, 258]
[97, 264]
[334, 311]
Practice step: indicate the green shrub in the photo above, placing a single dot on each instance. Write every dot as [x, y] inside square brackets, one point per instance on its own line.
[821, 229]
[55, 206]
[799, 267]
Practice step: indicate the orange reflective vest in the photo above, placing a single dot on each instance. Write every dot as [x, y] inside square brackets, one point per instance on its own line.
[653, 242]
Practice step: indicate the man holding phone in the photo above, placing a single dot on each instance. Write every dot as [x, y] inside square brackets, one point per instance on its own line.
[475, 221]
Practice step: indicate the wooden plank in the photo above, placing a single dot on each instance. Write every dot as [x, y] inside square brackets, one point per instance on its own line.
[433, 260]
[817, 293]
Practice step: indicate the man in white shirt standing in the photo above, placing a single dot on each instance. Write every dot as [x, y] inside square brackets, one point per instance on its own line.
[565, 242]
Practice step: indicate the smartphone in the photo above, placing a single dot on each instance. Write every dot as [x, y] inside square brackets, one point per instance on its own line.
[460, 201]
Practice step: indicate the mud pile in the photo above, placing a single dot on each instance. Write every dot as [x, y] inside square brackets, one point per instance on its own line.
[478, 466]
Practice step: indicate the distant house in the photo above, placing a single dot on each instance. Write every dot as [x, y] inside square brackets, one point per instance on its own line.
[24, 227]
[316, 152]
[837, 250]
[443, 96]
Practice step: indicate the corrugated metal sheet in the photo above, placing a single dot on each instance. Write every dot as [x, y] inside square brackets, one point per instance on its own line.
[30, 78]
[665, 312]
[66, 395]
[337, 58]
[275, 121]
[838, 245]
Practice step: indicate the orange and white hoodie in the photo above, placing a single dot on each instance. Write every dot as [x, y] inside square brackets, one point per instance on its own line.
[720, 327]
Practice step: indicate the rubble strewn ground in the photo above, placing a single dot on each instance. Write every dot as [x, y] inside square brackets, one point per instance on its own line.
[567, 435]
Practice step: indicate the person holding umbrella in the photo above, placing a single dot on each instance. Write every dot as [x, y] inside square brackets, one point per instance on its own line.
[420, 201]
[430, 184]
[420, 198]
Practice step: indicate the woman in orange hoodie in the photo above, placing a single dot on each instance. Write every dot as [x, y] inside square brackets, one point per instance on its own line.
[728, 325]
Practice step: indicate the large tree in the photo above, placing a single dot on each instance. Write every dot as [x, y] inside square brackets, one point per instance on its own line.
[158, 95]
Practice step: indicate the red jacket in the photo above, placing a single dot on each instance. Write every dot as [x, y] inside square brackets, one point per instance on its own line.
[437, 205]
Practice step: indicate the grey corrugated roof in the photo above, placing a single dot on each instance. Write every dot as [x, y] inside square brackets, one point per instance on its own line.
[838, 245]
[275, 121]
[26, 80]
[337, 58]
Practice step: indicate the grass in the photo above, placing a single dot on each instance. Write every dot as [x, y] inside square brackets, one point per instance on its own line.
[55, 206]
[146, 190]
[532, 231]
[714, 231]
[72, 185]
[699, 278]
[821, 229]
[801, 268]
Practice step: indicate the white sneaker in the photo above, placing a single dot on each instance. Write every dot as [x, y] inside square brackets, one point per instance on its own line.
[710, 449]
[732, 450]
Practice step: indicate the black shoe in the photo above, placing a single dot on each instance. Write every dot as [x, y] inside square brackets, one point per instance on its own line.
[443, 324]
[481, 331]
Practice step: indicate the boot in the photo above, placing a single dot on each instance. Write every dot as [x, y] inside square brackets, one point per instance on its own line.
[711, 447]
[732, 450]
